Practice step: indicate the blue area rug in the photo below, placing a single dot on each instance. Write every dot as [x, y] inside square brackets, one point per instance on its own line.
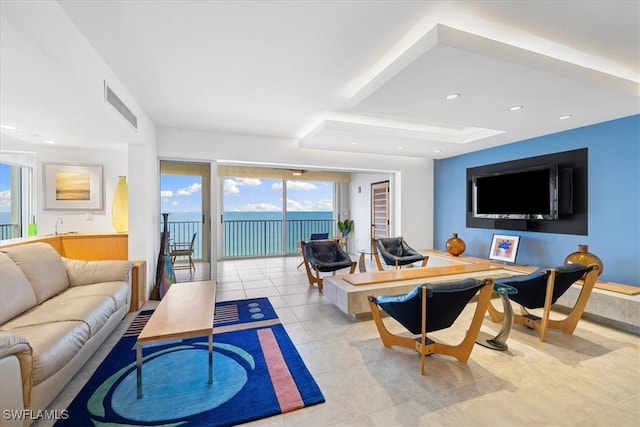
[257, 373]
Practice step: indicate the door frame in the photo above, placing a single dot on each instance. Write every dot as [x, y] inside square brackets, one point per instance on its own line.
[203, 170]
[381, 187]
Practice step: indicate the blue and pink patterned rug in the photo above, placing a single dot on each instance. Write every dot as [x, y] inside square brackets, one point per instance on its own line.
[257, 373]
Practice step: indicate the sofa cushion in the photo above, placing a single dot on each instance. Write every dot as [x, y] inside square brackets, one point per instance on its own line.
[82, 272]
[93, 310]
[43, 267]
[118, 291]
[16, 294]
[54, 345]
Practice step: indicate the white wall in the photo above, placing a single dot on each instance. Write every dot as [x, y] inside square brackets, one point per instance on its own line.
[412, 178]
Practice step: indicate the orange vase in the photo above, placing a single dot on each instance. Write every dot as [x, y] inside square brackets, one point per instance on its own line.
[455, 245]
[584, 257]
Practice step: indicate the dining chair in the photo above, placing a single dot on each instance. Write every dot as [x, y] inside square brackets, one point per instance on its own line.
[183, 249]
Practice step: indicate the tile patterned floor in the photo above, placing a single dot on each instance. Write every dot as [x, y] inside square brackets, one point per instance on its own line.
[591, 378]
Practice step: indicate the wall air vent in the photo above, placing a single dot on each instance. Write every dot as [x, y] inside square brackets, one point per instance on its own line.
[112, 99]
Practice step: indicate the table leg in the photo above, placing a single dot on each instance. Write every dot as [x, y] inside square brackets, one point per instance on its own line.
[499, 342]
[211, 358]
[139, 370]
[361, 267]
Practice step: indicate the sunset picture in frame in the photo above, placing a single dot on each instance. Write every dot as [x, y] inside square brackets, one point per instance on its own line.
[73, 186]
[504, 248]
[69, 186]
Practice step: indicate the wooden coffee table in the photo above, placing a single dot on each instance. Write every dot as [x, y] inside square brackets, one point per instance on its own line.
[185, 311]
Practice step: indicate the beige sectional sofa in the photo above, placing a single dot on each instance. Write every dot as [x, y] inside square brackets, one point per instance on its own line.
[54, 313]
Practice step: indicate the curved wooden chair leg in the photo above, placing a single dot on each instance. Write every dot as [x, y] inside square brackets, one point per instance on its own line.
[388, 339]
[376, 255]
[568, 325]
[462, 351]
[422, 344]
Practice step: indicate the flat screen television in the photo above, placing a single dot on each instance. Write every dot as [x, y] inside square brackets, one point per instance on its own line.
[530, 194]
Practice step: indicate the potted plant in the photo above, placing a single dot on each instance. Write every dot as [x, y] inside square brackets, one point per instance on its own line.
[345, 227]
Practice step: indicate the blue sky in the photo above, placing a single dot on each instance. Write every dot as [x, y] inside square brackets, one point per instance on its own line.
[180, 193]
[5, 188]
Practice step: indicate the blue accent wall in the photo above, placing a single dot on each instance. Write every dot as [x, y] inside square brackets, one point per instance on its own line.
[614, 199]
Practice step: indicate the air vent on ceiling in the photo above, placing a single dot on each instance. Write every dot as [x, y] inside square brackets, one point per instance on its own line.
[112, 99]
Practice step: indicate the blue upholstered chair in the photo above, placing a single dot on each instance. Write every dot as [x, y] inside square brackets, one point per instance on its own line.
[541, 289]
[395, 252]
[322, 256]
[429, 308]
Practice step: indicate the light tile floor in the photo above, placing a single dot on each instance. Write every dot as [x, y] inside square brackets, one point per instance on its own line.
[591, 378]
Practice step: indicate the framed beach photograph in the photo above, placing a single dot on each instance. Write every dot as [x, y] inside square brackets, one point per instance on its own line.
[70, 186]
[504, 248]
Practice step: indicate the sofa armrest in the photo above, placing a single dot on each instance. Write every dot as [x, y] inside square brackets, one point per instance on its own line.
[16, 345]
[88, 272]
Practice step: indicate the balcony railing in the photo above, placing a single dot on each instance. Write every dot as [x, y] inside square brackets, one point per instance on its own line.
[246, 238]
[9, 231]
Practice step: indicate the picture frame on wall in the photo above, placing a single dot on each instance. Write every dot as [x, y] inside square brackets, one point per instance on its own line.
[72, 186]
[504, 248]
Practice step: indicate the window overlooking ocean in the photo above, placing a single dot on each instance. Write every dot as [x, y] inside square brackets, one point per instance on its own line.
[6, 228]
[181, 198]
[261, 216]
[258, 222]
[17, 202]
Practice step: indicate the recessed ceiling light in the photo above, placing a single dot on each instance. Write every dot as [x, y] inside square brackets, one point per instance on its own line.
[452, 96]
[400, 147]
[516, 107]
[48, 141]
[8, 127]
[354, 143]
[565, 117]
[437, 151]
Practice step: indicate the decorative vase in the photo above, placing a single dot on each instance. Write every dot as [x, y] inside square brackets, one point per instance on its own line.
[120, 206]
[455, 245]
[584, 257]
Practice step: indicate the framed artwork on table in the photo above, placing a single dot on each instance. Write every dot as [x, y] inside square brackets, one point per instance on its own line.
[69, 186]
[504, 248]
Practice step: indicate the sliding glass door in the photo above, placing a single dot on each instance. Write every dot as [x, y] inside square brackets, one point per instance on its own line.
[267, 216]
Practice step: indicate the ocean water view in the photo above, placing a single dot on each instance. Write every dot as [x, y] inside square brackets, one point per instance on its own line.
[255, 233]
[246, 233]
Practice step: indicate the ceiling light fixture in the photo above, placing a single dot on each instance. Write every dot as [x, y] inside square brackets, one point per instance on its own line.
[354, 143]
[8, 127]
[48, 141]
[297, 172]
[452, 96]
[565, 117]
[400, 147]
[437, 151]
[516, 107]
